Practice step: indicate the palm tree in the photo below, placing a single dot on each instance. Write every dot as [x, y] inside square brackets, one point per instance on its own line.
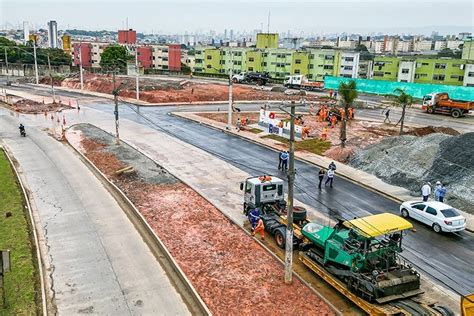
[403, 99]
[348, 94]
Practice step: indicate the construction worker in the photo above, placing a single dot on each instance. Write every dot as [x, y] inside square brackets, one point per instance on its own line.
[351, 113]
[280, 161]
[333, 120]
[238, 124]
[253, 216]
[342, 112]
[330, 93]
[440, 192]
[260, 228]
[324, 133]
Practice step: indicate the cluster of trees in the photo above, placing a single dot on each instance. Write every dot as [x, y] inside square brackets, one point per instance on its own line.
[23, 54]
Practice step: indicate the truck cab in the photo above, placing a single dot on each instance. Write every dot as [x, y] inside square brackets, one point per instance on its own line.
[237, 78]
[261, 191]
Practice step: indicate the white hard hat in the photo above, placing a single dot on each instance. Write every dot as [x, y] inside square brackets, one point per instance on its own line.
[437, 182]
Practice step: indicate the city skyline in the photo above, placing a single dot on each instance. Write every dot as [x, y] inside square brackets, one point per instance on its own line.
[299, 17]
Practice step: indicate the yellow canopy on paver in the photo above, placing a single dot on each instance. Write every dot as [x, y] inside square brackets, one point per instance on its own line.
[380, 224]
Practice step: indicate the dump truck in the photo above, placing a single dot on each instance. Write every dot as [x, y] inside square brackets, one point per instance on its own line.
[358, 257]
[302, 82]
[441, 103]
[259, 78]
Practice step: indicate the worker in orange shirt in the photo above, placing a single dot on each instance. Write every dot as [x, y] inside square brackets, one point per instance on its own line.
[333, 120]
[342, 112]
[259, 229]
[351, 113]
[324, 133]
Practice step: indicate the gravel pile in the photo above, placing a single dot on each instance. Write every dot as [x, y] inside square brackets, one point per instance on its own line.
[408, 161]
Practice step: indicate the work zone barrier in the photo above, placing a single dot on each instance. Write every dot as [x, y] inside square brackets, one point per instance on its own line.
[416, 90]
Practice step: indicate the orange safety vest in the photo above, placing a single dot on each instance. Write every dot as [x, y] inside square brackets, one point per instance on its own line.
[259, 225]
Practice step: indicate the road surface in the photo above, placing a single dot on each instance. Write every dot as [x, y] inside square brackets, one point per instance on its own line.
[100, 263]
[447, 258]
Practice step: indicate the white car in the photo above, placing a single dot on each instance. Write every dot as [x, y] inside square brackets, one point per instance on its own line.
[441, 217]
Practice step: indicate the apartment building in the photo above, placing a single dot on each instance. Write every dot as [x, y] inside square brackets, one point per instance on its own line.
[349, 65]
[469, 76]
[440, 71]
[385, 68]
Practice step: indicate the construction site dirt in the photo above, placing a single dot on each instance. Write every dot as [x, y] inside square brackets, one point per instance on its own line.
[33, 107]
[232, 273]
[359, 133]
[182, 91]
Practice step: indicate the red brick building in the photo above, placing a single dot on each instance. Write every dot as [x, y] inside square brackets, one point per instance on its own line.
[86, 54]
[145, 56]
[127, 36]
[174, 57]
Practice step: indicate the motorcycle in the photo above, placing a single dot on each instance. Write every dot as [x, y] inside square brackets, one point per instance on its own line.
[22, 130]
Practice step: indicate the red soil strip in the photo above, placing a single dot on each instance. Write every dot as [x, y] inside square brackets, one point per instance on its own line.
[33, 107]
[161, 91]
[233, 274]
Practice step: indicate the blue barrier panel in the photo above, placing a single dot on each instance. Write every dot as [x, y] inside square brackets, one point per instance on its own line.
[417, 90]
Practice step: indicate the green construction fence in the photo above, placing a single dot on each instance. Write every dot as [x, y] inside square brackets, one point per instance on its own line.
[416, 90]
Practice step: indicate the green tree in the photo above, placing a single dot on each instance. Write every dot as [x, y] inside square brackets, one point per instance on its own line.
[446, 52]
[361, 48]
[115, 56]
[402, 99]
[348, 93]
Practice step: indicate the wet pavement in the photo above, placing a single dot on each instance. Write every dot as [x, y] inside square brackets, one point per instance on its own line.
[445, 257]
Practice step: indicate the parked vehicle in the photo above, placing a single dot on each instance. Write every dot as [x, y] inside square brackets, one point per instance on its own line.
[441, 103]
[301, 82]
[259, 78]
[440, 216]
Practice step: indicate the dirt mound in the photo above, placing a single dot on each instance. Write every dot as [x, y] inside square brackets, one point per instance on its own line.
[32, 107]
[408, 161]
[340, 154]
[422, 131]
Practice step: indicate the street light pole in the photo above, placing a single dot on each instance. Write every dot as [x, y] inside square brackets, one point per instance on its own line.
[36, 63]
[51, 76]
[80, 66]
[136, 74]
[115, 92]
[229, 110]
[6, 62]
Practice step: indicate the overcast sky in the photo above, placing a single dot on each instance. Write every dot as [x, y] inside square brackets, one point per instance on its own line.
[178, 16]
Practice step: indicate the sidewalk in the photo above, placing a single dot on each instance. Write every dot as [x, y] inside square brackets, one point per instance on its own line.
[369, 181]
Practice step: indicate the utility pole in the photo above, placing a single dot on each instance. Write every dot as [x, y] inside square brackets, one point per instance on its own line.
[291, 180]
[51, 76]
[80, 66]
[136, 74]
[229, 111]
[115, 92]
[36, 62]
[6, 62]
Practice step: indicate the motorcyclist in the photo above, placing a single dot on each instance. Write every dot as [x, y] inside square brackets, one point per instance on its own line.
[22, 130]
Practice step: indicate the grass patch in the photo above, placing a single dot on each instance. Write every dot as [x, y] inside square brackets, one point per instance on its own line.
[22, 282]
[254, 130]
[312, 145]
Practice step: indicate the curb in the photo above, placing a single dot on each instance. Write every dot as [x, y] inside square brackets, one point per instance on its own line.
[210, 202]
[391, 197]
[149, 231]
[35, 236]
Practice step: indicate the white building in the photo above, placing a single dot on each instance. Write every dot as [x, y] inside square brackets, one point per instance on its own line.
[160, 57]
[406, 71]
[439, 45]
[349, 65]
[53, 34]
[26, 32]
[453, 44]
[365, 69]
[468, 75]
[422, 45]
